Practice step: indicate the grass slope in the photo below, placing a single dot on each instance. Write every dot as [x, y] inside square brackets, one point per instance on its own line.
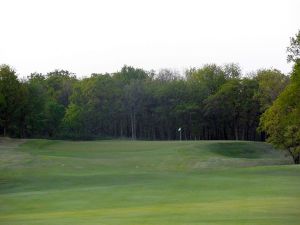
[122, 182]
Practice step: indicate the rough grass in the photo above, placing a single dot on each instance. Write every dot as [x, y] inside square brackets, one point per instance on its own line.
[122, 182]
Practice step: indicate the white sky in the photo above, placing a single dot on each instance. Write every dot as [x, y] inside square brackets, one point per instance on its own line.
[101, 36]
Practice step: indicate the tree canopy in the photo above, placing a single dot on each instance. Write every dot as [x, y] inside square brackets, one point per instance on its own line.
[211, 102]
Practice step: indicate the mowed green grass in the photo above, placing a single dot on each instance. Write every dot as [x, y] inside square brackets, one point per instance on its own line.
[139, 182]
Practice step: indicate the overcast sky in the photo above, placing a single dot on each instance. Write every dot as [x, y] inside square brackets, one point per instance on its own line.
[101, 36]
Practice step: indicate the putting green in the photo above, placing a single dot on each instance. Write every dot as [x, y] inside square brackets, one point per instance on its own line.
[141, 182]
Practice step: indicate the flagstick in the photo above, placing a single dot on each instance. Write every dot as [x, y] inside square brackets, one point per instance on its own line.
[180, 134]
[179, 129]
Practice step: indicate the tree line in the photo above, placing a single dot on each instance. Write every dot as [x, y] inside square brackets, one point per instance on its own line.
[211, 102]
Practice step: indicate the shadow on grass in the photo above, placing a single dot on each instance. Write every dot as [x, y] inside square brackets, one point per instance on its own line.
[238, 150]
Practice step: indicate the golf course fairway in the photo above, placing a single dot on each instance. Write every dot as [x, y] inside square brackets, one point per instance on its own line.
[44, 182]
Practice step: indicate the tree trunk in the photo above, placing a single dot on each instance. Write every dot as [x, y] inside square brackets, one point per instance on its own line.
[225, 133]
[236, 133]
[296, 159]
[121, 129]
[132, 127]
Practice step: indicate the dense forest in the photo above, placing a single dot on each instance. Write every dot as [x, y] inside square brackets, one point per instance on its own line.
[207, 103]
[211, 102]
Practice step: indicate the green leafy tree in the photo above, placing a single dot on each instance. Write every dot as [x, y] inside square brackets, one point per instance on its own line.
[34, 110]
[10, 99]
[211, 76]
[60, 85]
[73, 121]
[54, 113]
[224, 107]
[294, 49]
[281, 121]
[271, 83]
[232, 71]
[232, 110]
